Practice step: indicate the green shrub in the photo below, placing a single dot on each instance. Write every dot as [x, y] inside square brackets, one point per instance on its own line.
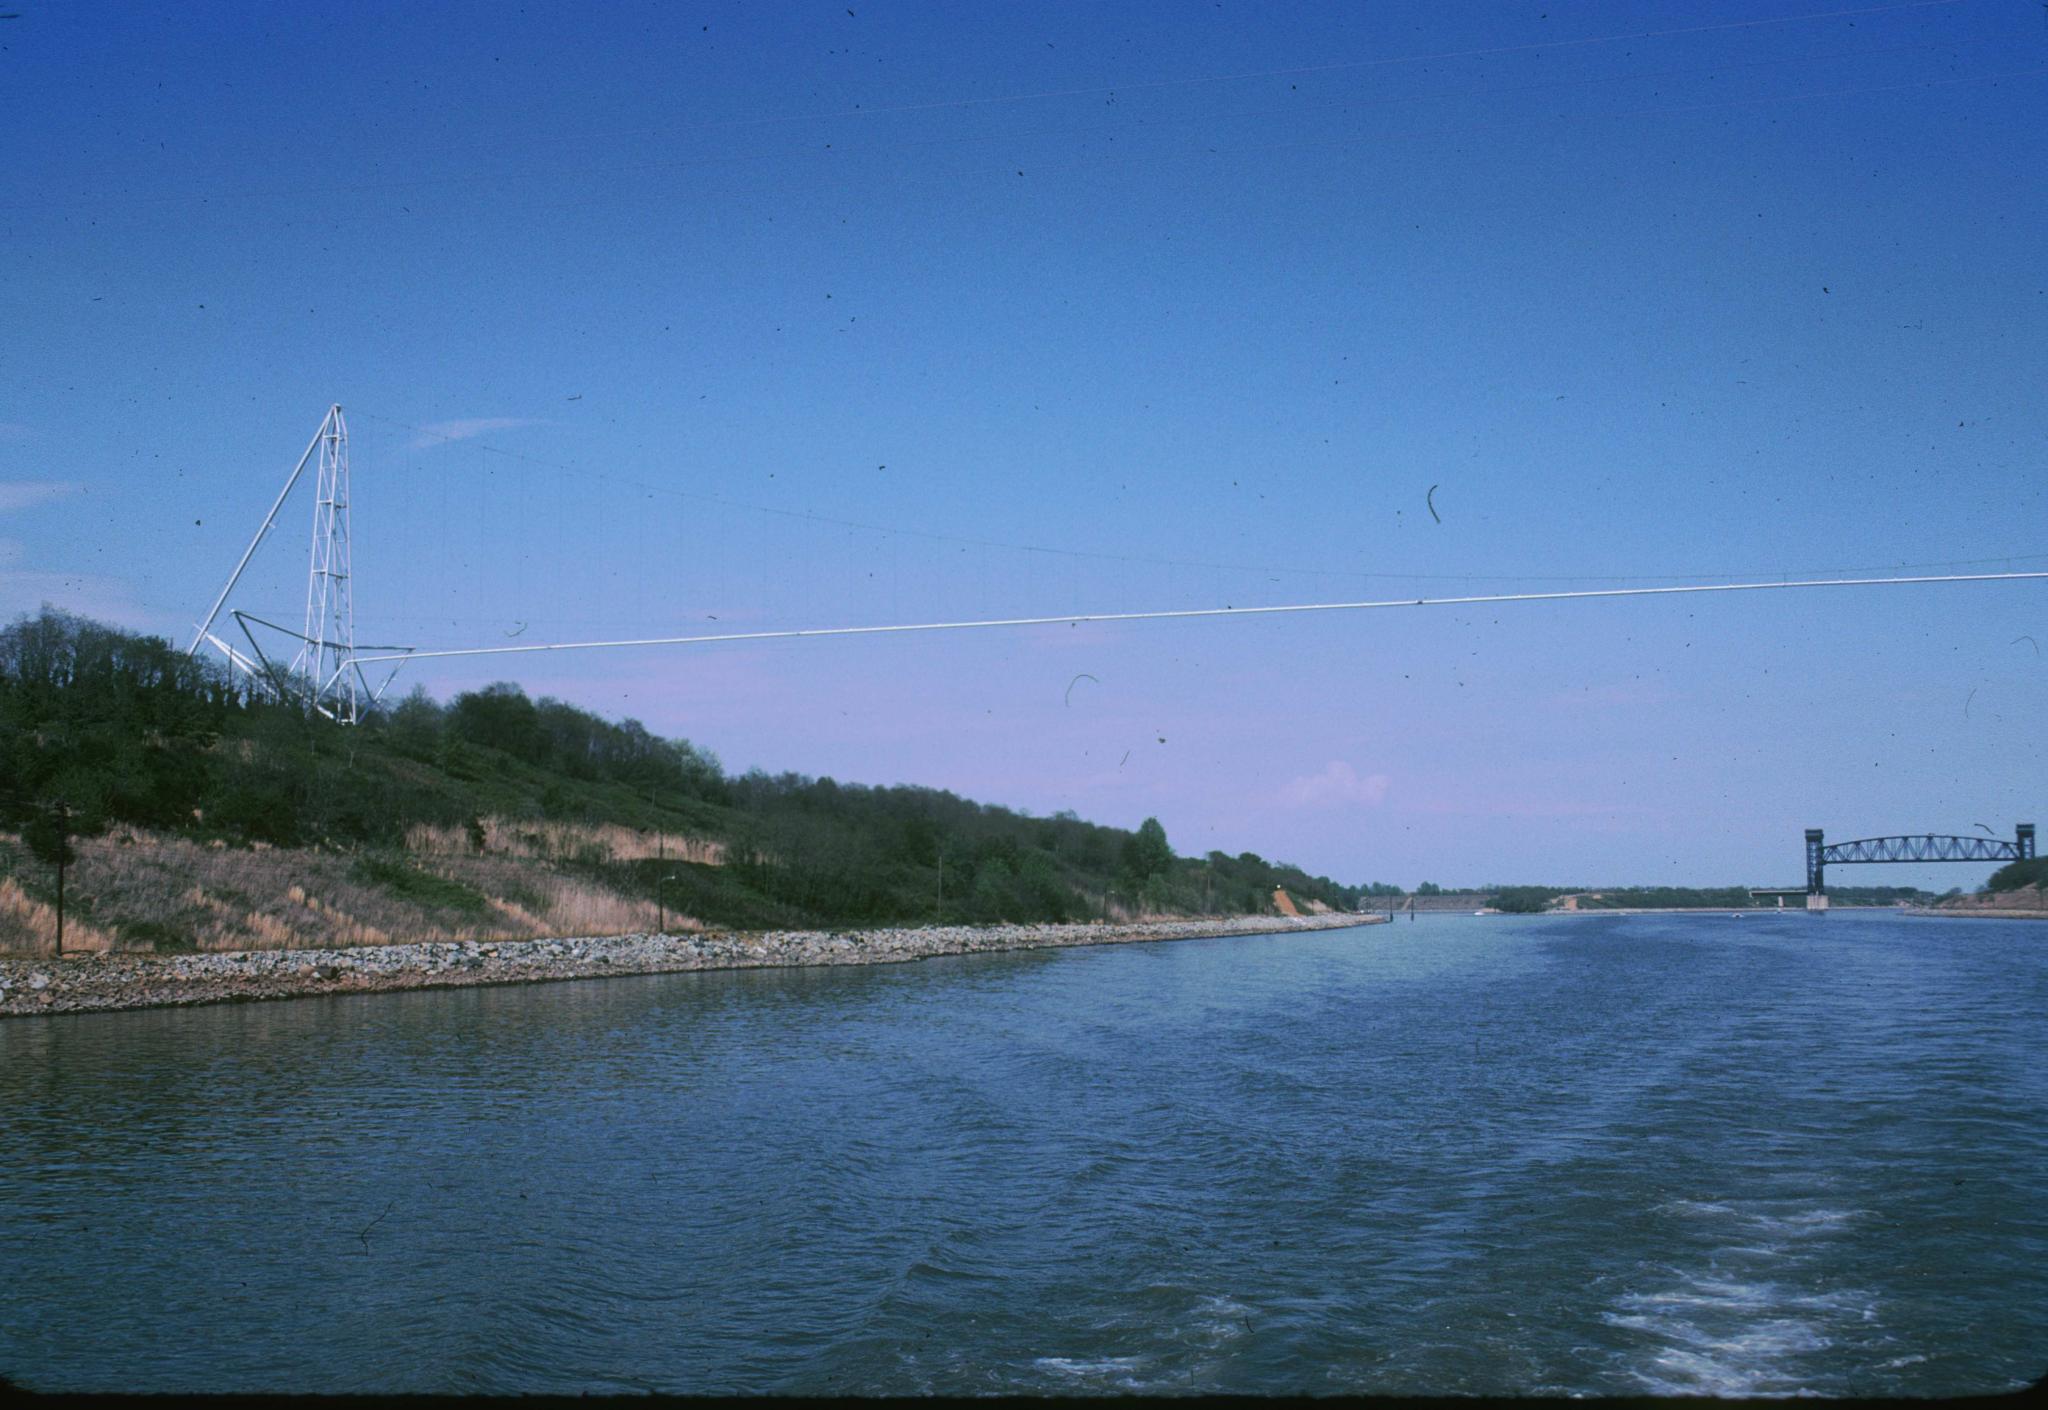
[527, 898]
[1522, 900]
[407, 882]
[157, 936]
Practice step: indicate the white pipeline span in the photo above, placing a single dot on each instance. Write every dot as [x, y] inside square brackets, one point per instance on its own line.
[1077, 618]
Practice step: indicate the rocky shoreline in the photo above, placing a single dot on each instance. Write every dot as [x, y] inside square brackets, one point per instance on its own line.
[88, 983]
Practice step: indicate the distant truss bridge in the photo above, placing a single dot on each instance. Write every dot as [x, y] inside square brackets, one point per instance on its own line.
[1913, 847]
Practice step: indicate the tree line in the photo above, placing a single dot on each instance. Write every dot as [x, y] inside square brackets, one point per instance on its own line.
[99, 726]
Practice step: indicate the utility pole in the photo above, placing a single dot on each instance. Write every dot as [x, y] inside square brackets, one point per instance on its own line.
[60, 903]
[661, 879]
[48, 838]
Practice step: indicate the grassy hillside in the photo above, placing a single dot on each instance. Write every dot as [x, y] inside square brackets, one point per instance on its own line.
[203, 815]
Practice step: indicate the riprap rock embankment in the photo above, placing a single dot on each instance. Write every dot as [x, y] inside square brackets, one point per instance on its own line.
[91, 982]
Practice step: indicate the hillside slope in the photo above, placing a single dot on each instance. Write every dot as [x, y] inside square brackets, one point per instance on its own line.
[205, 817]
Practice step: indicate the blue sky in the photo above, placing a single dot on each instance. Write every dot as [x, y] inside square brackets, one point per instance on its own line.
[649, 314]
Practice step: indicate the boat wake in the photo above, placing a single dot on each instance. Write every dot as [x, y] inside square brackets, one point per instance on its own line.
[1751, 1316]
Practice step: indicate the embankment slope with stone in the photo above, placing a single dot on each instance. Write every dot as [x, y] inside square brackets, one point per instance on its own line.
[103, 981]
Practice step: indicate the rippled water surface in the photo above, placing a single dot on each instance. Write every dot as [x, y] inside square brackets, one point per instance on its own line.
[1603, 1155]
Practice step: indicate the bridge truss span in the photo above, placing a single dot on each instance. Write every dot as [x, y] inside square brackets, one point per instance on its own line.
[1913, 847]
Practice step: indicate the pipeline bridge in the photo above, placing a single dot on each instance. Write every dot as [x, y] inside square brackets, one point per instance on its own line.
[326, 670]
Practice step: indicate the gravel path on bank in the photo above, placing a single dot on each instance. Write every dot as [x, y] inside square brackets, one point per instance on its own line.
[93, 982]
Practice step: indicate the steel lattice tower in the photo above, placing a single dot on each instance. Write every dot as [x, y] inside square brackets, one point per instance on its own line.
[325, 674]
[326, 658]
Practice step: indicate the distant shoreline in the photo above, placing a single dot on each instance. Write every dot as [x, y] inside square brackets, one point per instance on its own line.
[1799, 910]
[100, 982]
[1661, 911]
[1966, 914]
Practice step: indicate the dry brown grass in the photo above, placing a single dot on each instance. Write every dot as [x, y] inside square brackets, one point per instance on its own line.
[30, 927]
[555, 841]
[140, 887]
[582, 909]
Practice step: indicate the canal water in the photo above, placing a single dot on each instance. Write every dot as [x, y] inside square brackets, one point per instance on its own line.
[1611, 1155]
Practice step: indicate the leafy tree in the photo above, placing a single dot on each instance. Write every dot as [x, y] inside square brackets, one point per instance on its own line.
[48, 836]
[1522, 900]
[414, 724]
[2013, 875]
[993, 892]
[1155, 894]
[1040, 888]
[499, 717]
[1146, 853]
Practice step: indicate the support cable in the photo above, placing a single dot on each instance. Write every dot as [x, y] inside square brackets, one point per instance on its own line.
[1077, 619]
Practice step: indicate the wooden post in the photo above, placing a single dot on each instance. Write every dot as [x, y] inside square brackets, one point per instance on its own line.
[63, 858]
